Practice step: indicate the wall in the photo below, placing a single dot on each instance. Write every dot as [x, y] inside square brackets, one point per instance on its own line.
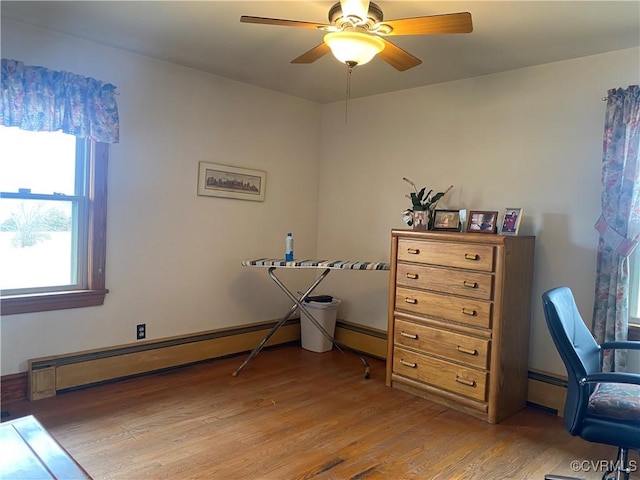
[173, 258]
[528, 138]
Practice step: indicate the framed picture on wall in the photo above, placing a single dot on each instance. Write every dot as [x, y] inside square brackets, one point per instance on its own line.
[511, 221]
[216, 180]
[482, 221]
[446, 220]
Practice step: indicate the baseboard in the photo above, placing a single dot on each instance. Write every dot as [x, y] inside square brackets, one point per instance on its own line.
[50, 375]
[364, 339]
[547, 390]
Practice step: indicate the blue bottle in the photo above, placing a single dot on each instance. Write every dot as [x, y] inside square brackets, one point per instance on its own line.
[288, 251]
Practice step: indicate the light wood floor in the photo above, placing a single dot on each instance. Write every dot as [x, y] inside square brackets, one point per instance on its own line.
[293, 414]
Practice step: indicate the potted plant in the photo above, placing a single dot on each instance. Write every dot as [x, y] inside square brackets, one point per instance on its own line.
[420, 215]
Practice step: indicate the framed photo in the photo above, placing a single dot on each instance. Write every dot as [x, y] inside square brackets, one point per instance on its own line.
[511, 221]
[446, 220]
[482, 222]
[216, 180]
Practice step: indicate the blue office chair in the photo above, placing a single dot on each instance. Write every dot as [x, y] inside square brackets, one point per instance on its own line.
[601, 407]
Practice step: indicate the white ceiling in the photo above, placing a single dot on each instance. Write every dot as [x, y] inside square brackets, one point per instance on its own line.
[208, 36]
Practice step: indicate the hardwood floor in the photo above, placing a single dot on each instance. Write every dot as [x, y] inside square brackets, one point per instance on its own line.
[294, 414]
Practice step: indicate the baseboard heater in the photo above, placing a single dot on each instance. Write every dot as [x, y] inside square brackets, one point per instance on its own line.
[361, 338]
[49, 375]
[547, 390]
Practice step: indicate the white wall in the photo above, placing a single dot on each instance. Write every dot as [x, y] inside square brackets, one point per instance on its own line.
[528, 138]
[173, 258]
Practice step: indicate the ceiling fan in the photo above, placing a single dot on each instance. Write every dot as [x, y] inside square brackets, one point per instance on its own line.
[356, 31]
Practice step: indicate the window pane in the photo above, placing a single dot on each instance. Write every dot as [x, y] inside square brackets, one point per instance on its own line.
[36, 243]
[41, 161]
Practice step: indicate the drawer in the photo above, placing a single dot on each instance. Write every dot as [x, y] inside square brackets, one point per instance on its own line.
[454, 346]
[469, 311]
[440, 373]
[457, 282]
[447, 254]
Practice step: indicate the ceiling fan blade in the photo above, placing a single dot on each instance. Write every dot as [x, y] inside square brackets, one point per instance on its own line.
[397, 57]
[312, 55]
[281, 22]
[433, 24]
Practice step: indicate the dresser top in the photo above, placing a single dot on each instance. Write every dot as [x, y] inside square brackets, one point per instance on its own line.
[467, 237]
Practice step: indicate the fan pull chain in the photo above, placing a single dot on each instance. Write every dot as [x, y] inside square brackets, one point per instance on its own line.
[346, 103]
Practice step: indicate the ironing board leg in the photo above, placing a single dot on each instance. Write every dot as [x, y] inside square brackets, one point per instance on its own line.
[300, 304]
[282, 321]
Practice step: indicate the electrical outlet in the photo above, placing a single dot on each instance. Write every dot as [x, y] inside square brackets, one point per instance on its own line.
[141, 331]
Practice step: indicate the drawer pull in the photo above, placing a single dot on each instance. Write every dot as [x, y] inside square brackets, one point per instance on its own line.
[468, 351]
[470, 284]
[408, 364]
[472, 256]
[412, 336]
[468, 383]
[413, 251]
[410, 300]
[471, 313]
[412, 276]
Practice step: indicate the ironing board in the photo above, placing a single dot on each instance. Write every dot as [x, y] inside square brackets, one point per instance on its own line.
[298, 301]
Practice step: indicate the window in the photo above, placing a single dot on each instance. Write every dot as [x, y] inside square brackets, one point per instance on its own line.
[52, 221]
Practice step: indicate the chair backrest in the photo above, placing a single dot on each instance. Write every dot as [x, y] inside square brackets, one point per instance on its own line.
[577, 348]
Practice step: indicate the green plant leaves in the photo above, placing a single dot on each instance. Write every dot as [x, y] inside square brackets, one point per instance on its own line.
[422, 202]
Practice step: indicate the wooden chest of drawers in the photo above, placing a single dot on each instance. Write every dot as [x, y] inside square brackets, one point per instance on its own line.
[459, 310]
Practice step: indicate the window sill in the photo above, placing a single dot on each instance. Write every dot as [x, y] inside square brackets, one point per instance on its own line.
[42, 302]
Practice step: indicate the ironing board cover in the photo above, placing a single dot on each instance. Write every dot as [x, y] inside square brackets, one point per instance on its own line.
[332, 264]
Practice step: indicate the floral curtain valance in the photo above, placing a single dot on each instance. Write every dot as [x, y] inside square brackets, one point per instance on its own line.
[39, 99]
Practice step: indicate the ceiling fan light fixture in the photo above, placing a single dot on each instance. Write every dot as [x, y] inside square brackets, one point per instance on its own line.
[355, 8]
[353, 47]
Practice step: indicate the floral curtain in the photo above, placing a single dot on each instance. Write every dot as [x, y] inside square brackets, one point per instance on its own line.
[619, 223]
[39, 99]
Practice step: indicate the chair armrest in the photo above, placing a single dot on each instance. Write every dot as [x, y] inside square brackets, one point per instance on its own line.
[612, 377]
[628, 344]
